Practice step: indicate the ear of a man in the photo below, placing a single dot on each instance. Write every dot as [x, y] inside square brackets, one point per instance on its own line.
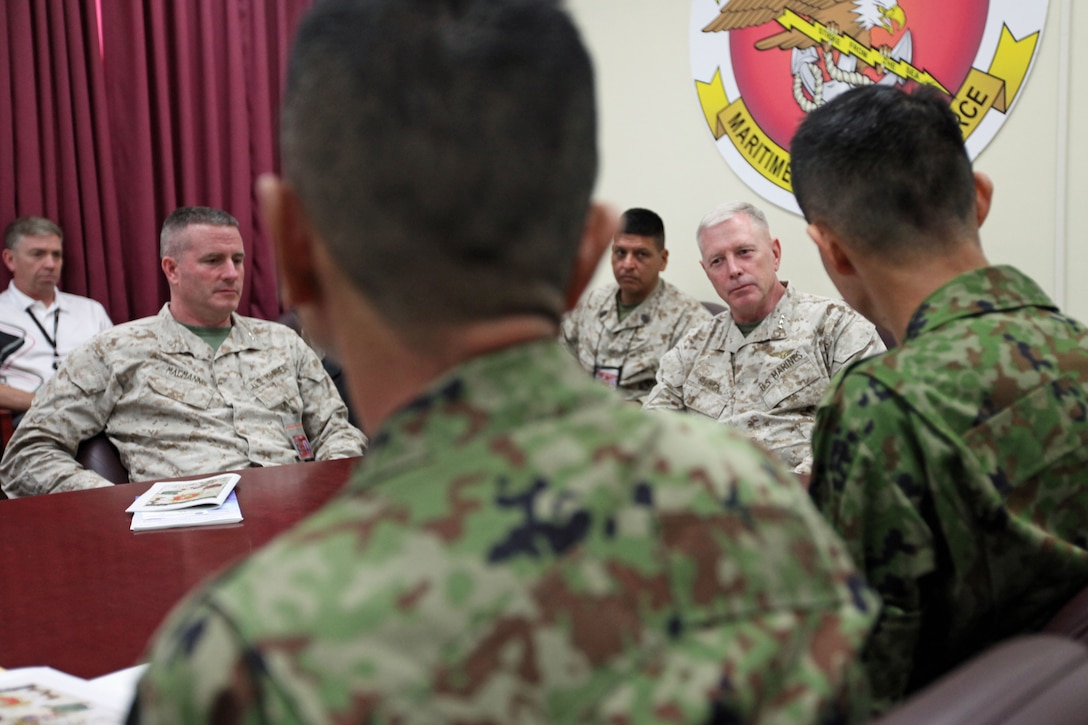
[293, 240]
[169, 267]
[598, 232]
[835, 255]
[984, 194]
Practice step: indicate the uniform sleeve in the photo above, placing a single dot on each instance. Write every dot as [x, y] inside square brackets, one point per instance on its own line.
[672, 373]
[800, 667]
[71, 407]
[855, 339]
[693, 316]
[201, 670]
[775, 605]
[568, 330]
[324, 415]
[803, 470]
[868, 481]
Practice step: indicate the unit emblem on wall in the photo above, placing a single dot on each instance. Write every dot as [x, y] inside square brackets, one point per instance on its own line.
[761, 65]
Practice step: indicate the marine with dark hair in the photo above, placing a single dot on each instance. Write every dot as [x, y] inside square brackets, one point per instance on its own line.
[619, 332]
[518, 545]
[953, 465]
[195, 389]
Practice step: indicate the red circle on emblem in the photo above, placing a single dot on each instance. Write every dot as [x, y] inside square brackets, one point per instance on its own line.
[945, 38]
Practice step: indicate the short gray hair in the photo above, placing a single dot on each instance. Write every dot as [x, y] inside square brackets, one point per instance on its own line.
[724, 212]
[30, 226]
[184, 217]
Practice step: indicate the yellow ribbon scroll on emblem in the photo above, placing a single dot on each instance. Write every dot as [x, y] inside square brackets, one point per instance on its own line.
[980, 92]
[997, 88]
[733, 119]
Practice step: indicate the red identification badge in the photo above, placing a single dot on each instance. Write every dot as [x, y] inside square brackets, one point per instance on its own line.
[297, 435]
[608, 376]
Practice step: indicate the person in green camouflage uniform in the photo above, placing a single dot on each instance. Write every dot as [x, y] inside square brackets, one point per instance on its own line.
[953, 464]
[519, 545]
[522, 547]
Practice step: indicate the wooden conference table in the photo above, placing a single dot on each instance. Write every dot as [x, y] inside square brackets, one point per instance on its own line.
[81, 593]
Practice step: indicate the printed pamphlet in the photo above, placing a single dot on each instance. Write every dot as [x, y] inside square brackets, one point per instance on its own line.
[172, 495]
[228, 513]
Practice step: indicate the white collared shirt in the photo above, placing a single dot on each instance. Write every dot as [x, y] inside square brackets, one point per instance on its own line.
[79, 320]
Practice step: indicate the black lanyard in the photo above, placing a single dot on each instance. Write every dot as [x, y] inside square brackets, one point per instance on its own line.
[51, 340]
[633, 331]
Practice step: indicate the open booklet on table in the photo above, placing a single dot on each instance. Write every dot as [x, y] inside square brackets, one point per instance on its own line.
[199, 502]
[42, 694]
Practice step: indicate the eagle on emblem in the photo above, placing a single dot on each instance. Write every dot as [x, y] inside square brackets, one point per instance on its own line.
[815, 85]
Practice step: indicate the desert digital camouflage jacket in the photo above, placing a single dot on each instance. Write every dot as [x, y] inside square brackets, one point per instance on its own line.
[520, 546]
[596, 336]
[173, 407]
[954, 466]
[769, 383]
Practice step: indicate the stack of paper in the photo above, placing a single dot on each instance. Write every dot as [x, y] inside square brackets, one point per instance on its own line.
[42, 694]
[170, 504]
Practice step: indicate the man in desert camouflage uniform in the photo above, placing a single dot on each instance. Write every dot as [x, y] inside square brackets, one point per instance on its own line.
[620, 331]
[519, 545]
[195, 389]
[953, 464]
[764, 366]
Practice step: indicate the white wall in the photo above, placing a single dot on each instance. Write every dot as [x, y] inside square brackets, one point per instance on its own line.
[1075, 196]
[657, 151]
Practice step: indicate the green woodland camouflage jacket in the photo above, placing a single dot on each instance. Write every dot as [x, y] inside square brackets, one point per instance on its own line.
[954, 468]
[520, 546]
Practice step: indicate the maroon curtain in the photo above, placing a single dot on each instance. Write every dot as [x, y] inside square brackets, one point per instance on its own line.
[176, 107]
[55, 141]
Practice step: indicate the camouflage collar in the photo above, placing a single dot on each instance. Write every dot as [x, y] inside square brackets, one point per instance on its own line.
[980, 291]
[771, 327]
[506, 390]
[641, 315]
[176, 339]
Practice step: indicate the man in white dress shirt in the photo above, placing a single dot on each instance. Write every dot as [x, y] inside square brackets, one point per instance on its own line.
[50, 323]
